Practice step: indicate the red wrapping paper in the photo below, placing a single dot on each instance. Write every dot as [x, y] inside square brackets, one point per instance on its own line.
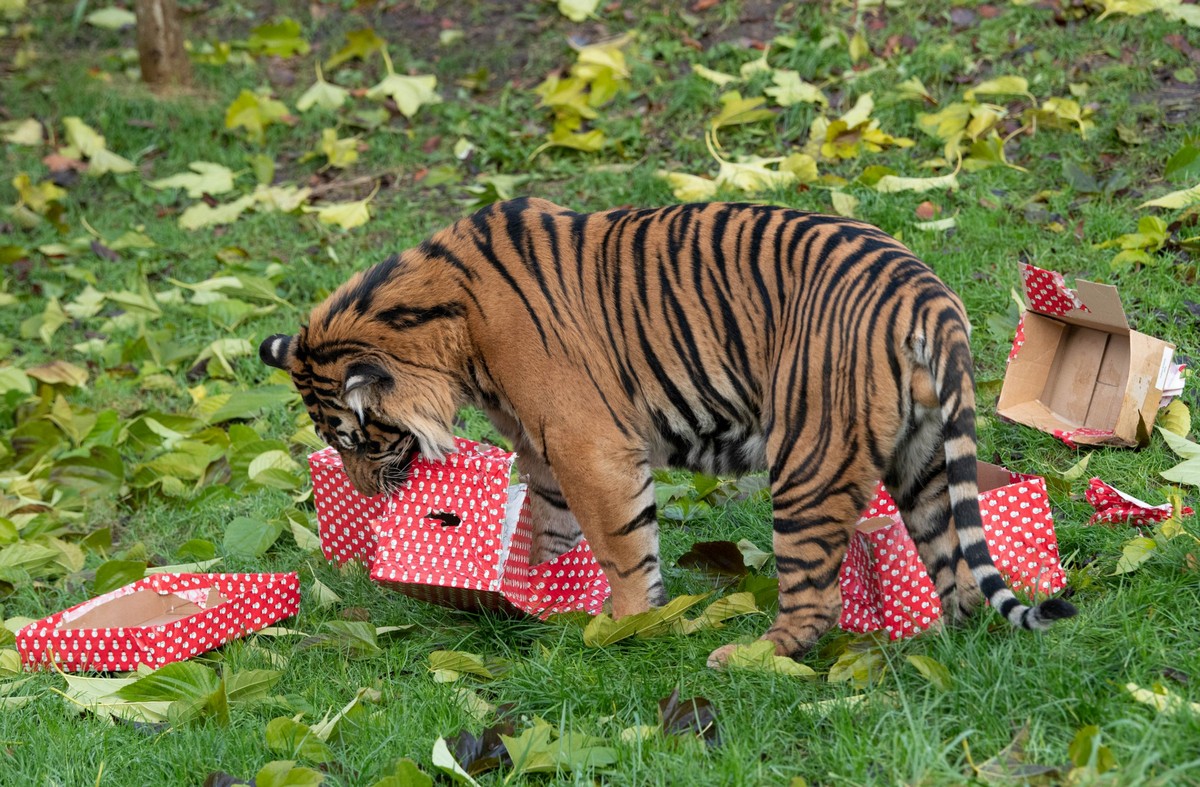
[885, 585]
[243, 603]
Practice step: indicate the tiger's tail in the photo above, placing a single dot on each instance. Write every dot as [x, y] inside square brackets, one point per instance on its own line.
[954, 384]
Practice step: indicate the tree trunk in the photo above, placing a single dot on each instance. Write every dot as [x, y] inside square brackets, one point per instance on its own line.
[163, 59]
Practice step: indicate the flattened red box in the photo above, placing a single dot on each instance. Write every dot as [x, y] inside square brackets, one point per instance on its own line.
[885, 585]
[158, 620]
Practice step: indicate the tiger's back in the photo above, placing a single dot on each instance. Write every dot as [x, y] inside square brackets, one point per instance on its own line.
[719, 337]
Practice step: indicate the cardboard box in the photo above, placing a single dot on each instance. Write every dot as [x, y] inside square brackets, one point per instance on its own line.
[158, 620]
[457, 534]
[1077, 371]
[885, 585]
[344, 516]
[482, 561]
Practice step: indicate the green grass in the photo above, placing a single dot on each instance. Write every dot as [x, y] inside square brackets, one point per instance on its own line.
[1129, 629]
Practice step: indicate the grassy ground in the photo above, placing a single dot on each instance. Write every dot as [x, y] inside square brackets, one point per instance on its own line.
[1140, 79]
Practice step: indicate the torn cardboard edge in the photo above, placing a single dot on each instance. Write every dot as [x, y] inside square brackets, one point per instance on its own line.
[1078, 371]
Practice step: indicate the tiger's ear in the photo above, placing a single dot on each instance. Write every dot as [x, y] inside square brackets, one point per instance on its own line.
[276, 351]
[364, 380]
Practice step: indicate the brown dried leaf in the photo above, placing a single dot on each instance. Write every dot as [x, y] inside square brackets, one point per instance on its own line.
[694, 716]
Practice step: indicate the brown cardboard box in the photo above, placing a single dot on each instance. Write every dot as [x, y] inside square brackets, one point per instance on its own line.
[1077, 371]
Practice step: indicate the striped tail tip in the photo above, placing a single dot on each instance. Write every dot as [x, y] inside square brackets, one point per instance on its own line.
[1040, 617]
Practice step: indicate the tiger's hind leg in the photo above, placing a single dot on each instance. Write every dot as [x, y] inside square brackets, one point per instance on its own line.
[819, 486]
[917, 481]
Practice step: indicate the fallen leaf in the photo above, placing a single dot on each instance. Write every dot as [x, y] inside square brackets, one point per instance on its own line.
[359, 44]
[790, 89]
[111, 18]
[844, 204]
[322, 94]
[26, 132]
[280, 39]
[1135, 552]
[1175, 199]
[409, 92]
[577, 10]
[718, 78]
[205, 178]
[254, 113]
[933, 671]
[890, 184]
[1176, 418]
[92, 146]
[759, 656]
[1162, 699]
[1000, 86]
[603, 630]
[693, 716]
[714, 557]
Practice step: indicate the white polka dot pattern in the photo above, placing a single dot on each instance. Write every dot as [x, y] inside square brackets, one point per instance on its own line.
[344, 516]
[253, 602]
[1048, 292]
[426, 561]
[885, 585]
[1112, 506]
[480, 563]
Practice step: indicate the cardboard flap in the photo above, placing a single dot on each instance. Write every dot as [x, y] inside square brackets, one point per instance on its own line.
[1104, 311]
[139, 609]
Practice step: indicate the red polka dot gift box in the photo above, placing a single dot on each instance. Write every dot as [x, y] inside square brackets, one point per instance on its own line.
[1116, 507]
[885, 585]
[158, 620]
[344, 516]
[1077, 371]
[462, 540]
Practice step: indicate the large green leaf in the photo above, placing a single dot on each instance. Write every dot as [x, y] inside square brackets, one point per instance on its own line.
[183, 680]
[294, 739]
[247, 537]
[98, 474]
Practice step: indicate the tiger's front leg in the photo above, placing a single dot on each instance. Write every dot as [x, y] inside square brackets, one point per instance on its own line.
[611, 493]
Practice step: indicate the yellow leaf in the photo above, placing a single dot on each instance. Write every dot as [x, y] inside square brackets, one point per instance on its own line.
[858, 46]
[913, 89]
[91, 145]
[283, 199]
[1175, 199]
[751, 174]
[201, 215]
[360, 44]
[860, 112]
[689, 188]
[844, 204]
[736, 110]
[346, 215]
[949, 125]
[577, 10]
[25, 132]
[790, 89]
[759, 656]
[1161, 699]
[322, 94]
[340, 152]
[756, 66]
[718, 78]
[254, 113]
[802, 165]
[1176, 418]
[1000, 86]
[111, 18]
[409, 93]
[37, 198]
[1062, 113]
[889, 184]
[205, 178]
[1135, 552]
[984, 117]
[561, 137]
[939, 225]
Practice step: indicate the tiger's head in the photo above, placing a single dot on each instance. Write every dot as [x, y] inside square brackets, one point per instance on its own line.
[379, 392]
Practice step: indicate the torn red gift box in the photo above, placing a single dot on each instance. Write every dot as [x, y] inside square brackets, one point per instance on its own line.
[1077, 371]
[885, 585]
[344, 516]
[158, 620]
[456, 534]
[1113, 505]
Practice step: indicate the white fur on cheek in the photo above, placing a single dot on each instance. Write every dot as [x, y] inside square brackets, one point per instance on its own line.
[354, 400]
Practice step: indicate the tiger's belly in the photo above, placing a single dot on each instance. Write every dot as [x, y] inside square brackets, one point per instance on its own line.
[720, 449]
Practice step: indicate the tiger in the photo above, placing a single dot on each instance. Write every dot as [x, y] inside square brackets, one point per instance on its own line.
[724, 338]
